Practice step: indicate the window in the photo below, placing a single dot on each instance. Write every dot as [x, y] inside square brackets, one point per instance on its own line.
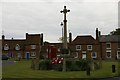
[89, 47]
[33, 53]
[94, 55]
[17, 47]
[118, 55]
[108, 54]
[76, 55]
[78, 47]
[119, 45]
[108, 45]
[6, 47]
[33, 46]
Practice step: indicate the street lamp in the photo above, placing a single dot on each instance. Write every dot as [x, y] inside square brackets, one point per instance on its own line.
[62, 32]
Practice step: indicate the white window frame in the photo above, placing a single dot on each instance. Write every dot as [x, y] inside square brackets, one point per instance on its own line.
[33, 46]
[76, 56]
[6, 47]
[109, 47]
[33, 54]
[110, 54]
[95, 55]
[78, 48]
[17, 47]
[118, 55]
[88, 47]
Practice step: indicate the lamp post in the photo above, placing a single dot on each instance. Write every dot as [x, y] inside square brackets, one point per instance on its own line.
[62, 31]
[65, 47]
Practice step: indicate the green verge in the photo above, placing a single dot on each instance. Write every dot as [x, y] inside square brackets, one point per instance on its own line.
[21, 69]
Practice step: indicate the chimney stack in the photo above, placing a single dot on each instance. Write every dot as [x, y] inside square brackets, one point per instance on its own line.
[41, 38]
[26, 35]
[70, 37]
[3, 37]
[12, 38]
[97, 33]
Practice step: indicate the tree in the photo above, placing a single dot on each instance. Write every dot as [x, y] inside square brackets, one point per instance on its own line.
[116, 32]
[61, 39]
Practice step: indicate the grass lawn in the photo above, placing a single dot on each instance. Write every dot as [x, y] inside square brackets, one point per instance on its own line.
[21, 69]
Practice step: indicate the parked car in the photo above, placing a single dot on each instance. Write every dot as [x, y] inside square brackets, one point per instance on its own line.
[4, 57]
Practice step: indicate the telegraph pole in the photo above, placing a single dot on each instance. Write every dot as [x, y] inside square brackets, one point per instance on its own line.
[65, 47]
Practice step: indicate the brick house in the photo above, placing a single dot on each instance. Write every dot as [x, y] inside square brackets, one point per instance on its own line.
[82, 47]
[86, 47]
[110, 46]
[22, 48]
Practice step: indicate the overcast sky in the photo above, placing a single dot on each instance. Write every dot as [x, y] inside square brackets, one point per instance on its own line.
[19, 17]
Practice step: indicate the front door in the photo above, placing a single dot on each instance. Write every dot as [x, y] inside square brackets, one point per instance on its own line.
[27, 55]
[84, 55]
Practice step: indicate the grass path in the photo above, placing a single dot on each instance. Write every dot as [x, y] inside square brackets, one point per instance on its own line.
[21, 69]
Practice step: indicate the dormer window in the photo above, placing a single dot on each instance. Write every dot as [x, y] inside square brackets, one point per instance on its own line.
[33, 46]
[17, 47]
[6, 47]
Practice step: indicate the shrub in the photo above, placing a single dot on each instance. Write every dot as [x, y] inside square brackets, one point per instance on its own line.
[76, 65]
[57, 67]
[44, 64]
[81, 64]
